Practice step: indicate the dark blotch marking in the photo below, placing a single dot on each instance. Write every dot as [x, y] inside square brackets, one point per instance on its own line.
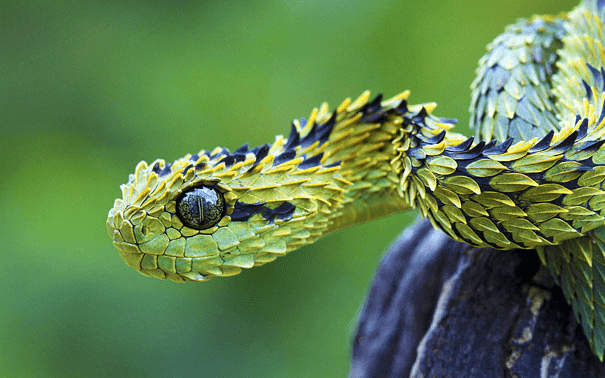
[311, 162]
[194, 158]
[451, 121]
[261, 152]
[310, 138]
[582, 129]
[371, 111]
[187, 169]
[243, 211]
[402, 108]
[436, 139]
[544, 143]
[565, 144]
[293, 138]
[596, 74]
[592, 145]
[417, 153]
[166, 171]
[602, 113]
[335, 164]
[420, 116]
[582, 168]
[319, 132]
[229, 160]
[500, 148]
[283, 212]
[326, 129]
[587, 89]
[223, 151]
[284, 157]
[490, 144]
[372, 106]
[242, 149]
[472, 153]
[239, 157]
[374, 118]
[462, 146]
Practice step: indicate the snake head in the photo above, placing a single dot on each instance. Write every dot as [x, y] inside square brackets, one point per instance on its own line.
[198, 217]
[164, 223]
[214, 213]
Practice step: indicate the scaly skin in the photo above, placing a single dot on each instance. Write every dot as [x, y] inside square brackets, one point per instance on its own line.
[540, 85]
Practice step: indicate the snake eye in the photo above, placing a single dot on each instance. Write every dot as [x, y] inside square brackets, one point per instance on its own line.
[201, 207]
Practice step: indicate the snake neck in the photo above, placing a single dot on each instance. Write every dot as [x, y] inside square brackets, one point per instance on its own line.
[362, 148]
[368, 159]
[343, 161]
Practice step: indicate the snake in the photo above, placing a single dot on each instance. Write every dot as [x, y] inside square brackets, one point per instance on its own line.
[532, 177]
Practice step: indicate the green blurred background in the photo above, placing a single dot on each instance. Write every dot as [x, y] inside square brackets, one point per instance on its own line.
[90, 88]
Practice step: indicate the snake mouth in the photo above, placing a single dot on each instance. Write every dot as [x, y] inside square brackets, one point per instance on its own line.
[175, 262]
[195, 257]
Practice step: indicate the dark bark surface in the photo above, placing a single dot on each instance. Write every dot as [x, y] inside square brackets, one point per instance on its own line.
[438, 308]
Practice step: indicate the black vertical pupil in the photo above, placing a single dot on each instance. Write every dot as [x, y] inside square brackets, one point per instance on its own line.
[201, 207]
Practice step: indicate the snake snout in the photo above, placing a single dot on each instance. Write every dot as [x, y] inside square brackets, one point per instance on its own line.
[166, 223]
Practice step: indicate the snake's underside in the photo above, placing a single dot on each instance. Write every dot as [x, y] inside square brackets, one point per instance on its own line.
[532, 177]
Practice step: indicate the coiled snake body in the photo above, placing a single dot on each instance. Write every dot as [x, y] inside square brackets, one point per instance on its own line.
[532, 178]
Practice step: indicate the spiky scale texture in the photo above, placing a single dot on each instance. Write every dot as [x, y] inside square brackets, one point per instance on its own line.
[575, 89]
[539, 90]
[278, 197]
[512, 93]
